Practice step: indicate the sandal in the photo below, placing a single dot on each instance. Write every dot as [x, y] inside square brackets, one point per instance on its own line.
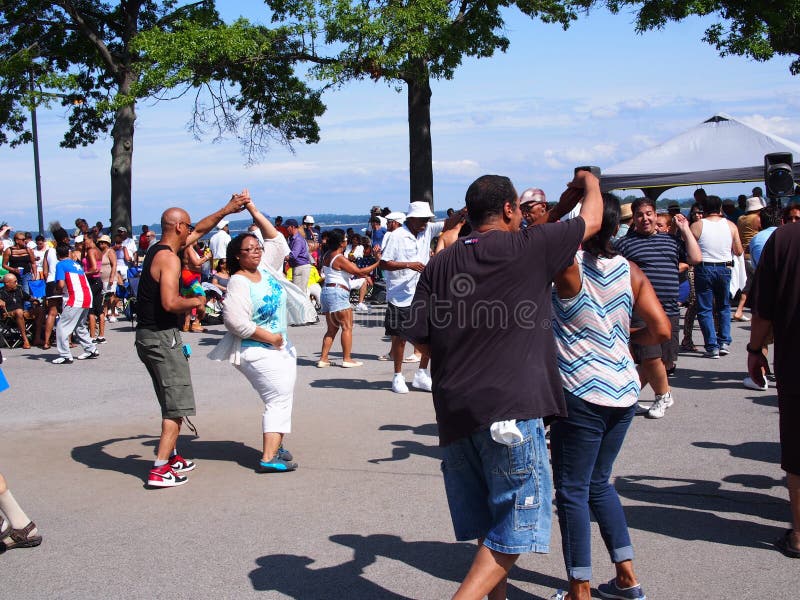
[385, 357]
[18, 538]
[412, 358]
[321, 364]
[784, 544]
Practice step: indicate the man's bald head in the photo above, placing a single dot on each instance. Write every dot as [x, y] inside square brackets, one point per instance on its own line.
[173, 216]
[9, 278]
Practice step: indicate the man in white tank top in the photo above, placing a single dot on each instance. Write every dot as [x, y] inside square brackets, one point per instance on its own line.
[718, 239]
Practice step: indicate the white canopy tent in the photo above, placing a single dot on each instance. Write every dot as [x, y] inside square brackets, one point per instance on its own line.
[719, 150]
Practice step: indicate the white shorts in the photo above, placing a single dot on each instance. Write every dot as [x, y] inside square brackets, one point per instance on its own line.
[355, 284]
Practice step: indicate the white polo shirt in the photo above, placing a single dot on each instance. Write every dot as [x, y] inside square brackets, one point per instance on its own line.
[403, 246]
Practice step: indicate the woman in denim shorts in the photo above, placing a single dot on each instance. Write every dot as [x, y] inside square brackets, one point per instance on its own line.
[335, 297]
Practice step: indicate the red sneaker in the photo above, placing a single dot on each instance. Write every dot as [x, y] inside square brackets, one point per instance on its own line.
[164, 476]
[180, 464]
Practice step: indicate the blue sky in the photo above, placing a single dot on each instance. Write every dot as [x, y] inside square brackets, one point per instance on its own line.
[597, 94]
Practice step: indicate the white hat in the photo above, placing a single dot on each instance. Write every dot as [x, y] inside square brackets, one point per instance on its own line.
[754, 204]
[78, 239]
[419, 210]
[308, 219]
[396, 216]
[222, 224]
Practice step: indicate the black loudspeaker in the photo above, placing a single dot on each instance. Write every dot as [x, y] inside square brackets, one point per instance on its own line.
[778, 174]
[593, 170]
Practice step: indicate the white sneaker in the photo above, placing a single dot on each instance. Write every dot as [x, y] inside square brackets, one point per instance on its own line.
[422, 381]
[668, 401]
[111, 319]
[399, 384]
[659, 407]
[752, 385]
[362, 308]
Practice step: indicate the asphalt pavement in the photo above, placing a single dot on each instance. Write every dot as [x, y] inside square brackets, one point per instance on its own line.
[365, 515]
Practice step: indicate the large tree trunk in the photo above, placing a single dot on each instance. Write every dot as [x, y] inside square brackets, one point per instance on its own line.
[419, 139]
[121, 160]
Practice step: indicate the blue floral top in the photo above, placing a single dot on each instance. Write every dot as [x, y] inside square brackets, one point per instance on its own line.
[269, 307]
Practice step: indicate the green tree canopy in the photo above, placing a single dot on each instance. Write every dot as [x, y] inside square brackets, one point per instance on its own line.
[407, 43]
[759, 29]
[100, 58]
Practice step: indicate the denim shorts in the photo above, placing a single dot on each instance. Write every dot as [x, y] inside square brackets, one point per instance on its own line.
[501, 493]
[334, 299]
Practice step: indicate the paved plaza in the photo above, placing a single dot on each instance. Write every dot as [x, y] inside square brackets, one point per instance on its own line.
[365, 515]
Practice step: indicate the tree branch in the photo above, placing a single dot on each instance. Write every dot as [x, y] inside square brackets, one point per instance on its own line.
[92, 34]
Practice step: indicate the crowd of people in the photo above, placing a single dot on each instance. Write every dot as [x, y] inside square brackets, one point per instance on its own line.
[610, 278]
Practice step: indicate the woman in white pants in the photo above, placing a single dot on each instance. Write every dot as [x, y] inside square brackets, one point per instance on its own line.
[255, 312]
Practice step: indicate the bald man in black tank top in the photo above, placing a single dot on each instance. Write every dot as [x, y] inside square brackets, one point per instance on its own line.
[158, 340]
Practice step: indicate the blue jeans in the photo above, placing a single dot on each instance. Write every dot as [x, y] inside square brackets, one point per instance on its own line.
[584, 447]
[712, 287]
[501, 493]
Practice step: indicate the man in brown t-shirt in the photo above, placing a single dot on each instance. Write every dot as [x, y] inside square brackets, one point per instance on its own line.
[486, 327]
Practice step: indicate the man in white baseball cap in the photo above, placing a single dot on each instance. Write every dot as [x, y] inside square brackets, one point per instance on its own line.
[406, 251]
[218, 244]
[533, 204]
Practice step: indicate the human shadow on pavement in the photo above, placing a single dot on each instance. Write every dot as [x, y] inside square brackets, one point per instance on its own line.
[96, 455]
[769, 399]
[757, 482]
[697, 379]
[762, 451]
[291, 575]
[426, 429]
[350, 384]
[694, 525]
[699, 496]
[404, 449]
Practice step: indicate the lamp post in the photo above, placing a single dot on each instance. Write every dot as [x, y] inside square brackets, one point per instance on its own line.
[37, 173]
[35, 134]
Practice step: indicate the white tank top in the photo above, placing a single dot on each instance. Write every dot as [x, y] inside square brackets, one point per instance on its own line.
[335, 275]
[715, 241]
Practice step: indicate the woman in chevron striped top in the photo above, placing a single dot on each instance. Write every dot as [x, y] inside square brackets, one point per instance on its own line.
[593, 301]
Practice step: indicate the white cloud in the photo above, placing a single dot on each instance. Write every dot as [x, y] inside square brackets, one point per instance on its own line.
[777, 125]
[456, 167]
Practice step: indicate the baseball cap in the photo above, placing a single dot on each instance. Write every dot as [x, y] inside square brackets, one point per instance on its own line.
[123, 229]
[222, 224]
[396, 216]
[291, 223]
[532, 195]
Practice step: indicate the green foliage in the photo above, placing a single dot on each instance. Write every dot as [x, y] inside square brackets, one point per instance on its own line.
[405, 40]
[759, 29]
[95, 57]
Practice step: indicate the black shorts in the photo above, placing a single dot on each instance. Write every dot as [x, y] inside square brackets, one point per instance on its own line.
[789, 416]
[667, 351]
[395, 319]
[96, 285]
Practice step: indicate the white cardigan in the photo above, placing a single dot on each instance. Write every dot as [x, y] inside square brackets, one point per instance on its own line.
[238, 309]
